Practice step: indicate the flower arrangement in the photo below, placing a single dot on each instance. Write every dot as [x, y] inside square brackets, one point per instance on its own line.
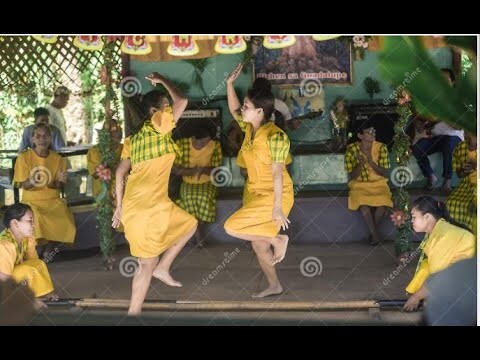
[103, 172]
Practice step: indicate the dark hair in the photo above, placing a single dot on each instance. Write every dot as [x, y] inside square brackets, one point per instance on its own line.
[450, 74]
[363, 126]
[428, 205]
[202, 132]
[15, 212]
[43, 126]
[262, 83]
[151, 99]
[263, 99]
[40, 111]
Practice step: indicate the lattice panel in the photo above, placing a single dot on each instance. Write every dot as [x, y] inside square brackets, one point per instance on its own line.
[24, 60]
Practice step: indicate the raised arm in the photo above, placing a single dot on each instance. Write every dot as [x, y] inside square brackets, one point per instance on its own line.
[179, 101]
[234, 104]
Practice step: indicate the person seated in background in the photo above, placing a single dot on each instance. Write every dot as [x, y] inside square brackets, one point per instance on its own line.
[198, 191]
[61, 96]
[462, 201]
[446, 242]
[444, 138]
[18, 258]
[41, 173]
[41, 116]
[94, 158]
[366, 162]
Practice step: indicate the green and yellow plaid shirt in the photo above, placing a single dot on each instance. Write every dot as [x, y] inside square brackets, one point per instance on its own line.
[351, 161]
[279, 146]
[184, 159]
[460, 156]
[148, 144]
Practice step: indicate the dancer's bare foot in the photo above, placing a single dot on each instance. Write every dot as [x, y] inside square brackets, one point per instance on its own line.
[134, 312]
[280, 248]
[271, 290]
[165, 277]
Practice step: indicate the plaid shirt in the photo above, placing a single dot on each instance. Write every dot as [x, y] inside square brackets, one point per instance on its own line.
[460, 156]
[351, 161]
[279, 146]
[184, 160]
[148, 144]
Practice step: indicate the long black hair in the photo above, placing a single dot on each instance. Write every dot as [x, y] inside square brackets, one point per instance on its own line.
[263, 99]
[14, 212]
[438, 209]
[151, 99]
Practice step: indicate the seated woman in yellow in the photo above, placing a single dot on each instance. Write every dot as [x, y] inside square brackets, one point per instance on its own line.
[462, 202]
[270, 188]
[18, 257]
[94, 158]
[366, 162]
[153, 223]
[445, 243]
[198, 194]
[41, 173]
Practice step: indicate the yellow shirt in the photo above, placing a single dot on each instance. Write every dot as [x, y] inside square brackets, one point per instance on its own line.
[12, 253]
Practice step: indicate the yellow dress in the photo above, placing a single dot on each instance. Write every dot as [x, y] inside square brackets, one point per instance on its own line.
[53, 219]
[369, 188]
[198, 195]
[446, 245]
[270, 145]
[21, 262]
[152, 222]
[94, 158]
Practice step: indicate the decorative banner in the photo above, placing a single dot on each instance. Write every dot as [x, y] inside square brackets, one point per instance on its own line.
[278, 41]
[136, 45]
[113, 38]
[324, 37]
[322, 61]
[49, 39]
[91, 43]
[183, 45]
[230, 44]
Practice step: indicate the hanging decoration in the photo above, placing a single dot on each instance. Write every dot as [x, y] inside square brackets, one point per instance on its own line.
[228, 44]
[183, 45]
[92, 43]
[136, 45]
[324, 37]
[49, 39]
[278, 41]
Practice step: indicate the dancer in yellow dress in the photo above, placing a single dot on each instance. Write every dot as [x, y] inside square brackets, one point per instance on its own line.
[41, 173]
[153, 223]
[366, 162]
[269, 197]
[198, 194]
[445, 243]
[462, 201]
[18, 257]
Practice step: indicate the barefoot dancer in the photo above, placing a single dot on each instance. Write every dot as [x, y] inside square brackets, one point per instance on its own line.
[153, 223]
[270, 189]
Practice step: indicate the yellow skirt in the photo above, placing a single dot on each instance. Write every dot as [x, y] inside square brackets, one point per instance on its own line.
[255, 216]
[35, 273]
[53, 220]
[152, 222]
[370, 193]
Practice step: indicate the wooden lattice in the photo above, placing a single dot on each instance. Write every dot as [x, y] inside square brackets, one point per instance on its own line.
[24, 60]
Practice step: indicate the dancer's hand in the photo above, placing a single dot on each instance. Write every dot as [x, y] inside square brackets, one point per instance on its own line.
[155, 78]
[234, 75]
[280, 218]
[116, 217]
[412, 303]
